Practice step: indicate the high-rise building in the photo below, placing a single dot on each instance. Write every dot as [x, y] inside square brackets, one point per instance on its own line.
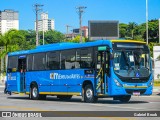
[45, 24]
[8, 20]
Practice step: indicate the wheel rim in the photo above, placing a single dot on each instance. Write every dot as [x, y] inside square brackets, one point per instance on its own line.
[35, 92]
[89, 93]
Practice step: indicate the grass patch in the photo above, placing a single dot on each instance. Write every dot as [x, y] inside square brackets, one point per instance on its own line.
[156, 82]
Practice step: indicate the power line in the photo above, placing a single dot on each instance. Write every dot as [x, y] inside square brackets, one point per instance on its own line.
[80, 11]
[37, 9]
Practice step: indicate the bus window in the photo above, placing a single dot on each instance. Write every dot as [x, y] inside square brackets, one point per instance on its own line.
[29, 62]
[77, 63]
[39, 61]
[53, 61]
[86, 58]
[68, 59]
[12, 64]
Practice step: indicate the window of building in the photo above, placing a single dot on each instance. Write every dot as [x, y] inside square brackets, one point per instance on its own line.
[53, 62]
[39, 61]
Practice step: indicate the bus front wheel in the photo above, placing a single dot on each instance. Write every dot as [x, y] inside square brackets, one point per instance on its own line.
[89, 94]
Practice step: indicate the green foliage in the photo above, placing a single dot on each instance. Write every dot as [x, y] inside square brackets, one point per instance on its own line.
[15, 40]
[151, 44]
[77, 39]
[51, 37]
[138, 32]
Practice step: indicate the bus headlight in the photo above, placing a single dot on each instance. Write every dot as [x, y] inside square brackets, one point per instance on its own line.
[151, 83]
[117, 83]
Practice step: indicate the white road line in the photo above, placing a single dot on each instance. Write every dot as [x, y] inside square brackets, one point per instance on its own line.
[134, 108]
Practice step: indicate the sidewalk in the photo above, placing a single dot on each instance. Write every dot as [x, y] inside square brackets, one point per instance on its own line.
[156, 90]
[1, 83]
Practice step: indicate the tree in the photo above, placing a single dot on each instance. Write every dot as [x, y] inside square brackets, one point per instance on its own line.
[131, 28]
[77, 39]
[123, 30]
[52, 37]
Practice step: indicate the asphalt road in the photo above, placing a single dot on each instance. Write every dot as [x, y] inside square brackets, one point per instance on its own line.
[23, 103]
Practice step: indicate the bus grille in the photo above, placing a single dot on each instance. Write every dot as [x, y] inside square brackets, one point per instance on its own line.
[130, 91]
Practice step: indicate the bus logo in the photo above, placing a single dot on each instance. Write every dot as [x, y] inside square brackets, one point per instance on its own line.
[55, 76]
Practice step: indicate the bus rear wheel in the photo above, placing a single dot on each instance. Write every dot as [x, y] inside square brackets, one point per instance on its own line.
[34, 92]
[89, 94]
[125, 98]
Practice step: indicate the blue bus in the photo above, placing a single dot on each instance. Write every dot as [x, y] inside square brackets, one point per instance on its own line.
[103, 68]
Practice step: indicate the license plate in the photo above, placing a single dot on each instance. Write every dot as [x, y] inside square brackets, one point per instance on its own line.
[136, 93]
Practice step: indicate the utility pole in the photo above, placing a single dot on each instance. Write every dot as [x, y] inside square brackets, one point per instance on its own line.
[80, 11]
[67, 28]
[37, 9]
[147, 21]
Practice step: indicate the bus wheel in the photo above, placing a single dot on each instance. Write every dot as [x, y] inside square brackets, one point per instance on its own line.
[124, 98]
[34, 92]
[89, 94]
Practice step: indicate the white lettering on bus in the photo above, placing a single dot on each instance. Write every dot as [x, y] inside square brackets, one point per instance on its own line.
[71, 76]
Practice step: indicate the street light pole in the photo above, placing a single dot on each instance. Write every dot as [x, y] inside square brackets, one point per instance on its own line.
[80, 11]
[147, 21]
[37, 9]
[43, 30]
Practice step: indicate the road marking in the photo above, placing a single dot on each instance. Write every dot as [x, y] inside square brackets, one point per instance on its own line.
[123, 107]
[21, 108]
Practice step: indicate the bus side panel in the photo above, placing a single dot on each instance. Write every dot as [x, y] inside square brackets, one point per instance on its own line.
[12, 81]
[41, 78]
[75, 83]
[58, 81]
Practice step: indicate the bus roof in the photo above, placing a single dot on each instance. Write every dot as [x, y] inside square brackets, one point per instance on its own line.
[64, 46]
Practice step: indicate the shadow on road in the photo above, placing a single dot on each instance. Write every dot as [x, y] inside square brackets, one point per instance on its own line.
[78, 100]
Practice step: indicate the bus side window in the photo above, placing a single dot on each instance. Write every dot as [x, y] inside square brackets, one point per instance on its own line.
[53, 62]
[39, 61]
[86, 58]
[12, 64]
[68, 59]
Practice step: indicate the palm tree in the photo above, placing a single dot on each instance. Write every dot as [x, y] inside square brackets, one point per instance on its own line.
[131, 28]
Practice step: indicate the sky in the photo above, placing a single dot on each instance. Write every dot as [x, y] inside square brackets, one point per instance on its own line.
[64, 11]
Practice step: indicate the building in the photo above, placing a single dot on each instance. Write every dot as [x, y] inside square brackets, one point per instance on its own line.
[75, 32]
[45, 24]
[84, 31]
[8, 20]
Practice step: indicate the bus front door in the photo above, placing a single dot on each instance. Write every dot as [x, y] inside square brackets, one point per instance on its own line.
[101, 80]
[22, 70]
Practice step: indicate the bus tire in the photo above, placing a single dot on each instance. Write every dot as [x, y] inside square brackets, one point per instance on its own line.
[125, 98]
[34, 92]
[89, 94]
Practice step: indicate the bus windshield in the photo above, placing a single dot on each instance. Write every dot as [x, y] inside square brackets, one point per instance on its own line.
[132, 63]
